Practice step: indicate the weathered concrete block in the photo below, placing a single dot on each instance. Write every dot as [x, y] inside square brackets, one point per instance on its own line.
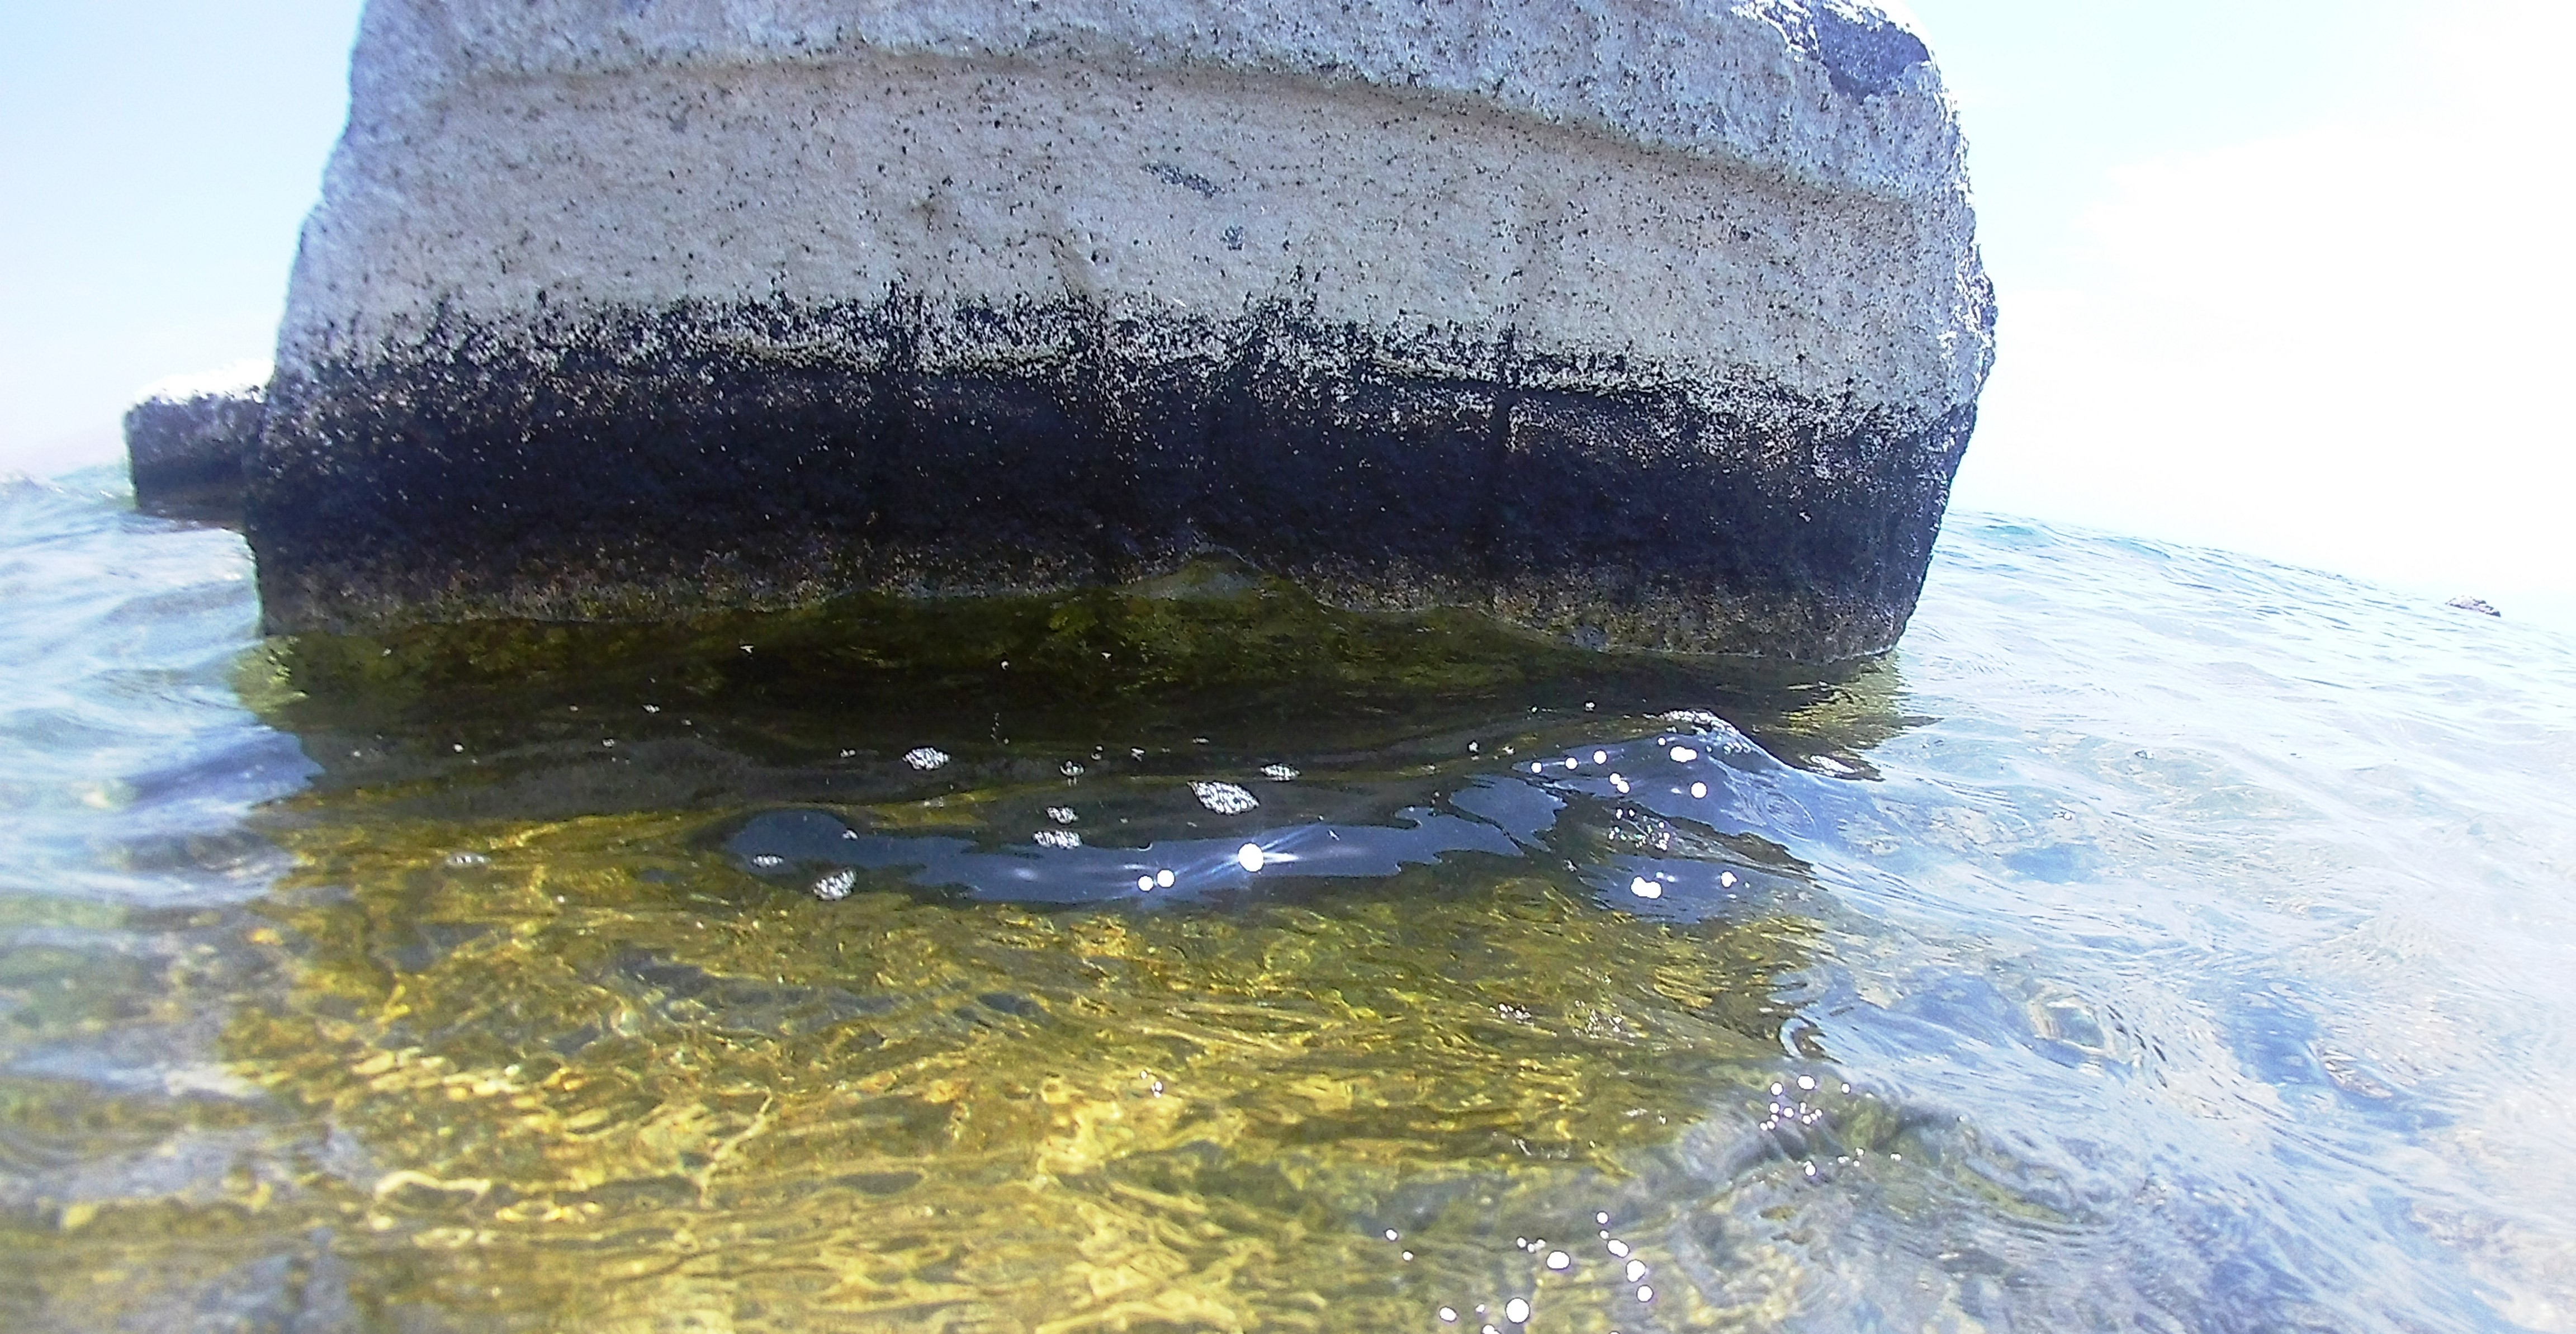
[188, 454]
[1650, 324]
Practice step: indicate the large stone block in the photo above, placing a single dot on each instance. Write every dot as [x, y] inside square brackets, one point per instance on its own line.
[1649, 324]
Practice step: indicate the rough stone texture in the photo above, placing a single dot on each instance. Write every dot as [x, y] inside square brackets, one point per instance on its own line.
[188, 455]
[1655, 325]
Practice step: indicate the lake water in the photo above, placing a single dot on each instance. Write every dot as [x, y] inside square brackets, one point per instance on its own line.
[2159, 940]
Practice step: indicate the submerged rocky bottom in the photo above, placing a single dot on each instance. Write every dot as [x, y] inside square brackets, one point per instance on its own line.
[2097, 961]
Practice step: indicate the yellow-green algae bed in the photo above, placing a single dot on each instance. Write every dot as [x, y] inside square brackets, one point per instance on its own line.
[591, 1072]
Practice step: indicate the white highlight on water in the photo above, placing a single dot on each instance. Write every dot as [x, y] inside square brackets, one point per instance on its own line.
[1223, 798]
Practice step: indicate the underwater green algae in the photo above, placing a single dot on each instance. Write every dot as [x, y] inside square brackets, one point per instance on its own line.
[602, 1078]
[584, 1071]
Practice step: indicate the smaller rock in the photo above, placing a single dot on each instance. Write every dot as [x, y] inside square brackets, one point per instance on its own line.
[187, 454]
[2478, 605]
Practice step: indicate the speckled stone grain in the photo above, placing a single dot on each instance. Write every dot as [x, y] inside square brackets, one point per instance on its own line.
[1653, 325]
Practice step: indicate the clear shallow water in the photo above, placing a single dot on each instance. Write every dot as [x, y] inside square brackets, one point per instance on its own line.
[2172, 941]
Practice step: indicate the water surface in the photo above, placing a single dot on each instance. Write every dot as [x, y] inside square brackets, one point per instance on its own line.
[2159, 939]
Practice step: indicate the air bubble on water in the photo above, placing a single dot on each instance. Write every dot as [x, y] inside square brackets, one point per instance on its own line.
[1059, 839]
[1392, 1234]
[1223, 798]
[1645, 889]
[1726, 878]
[1163, 879]
[836, 885]
[1644, 1293]
[1636, 1270]
[1279, 773]
[1558, 1260]
[1618, 1248]
[1806, 1081]
[1145, 884]
[1448, 1315]
[1602, 1218]
[1062, 814]
[1600, 757]
[1537, 768]
[1684, 754]
[924, 758]
[1517, 1310]
[849, 833]
[1248, 857]
[1778, 1089]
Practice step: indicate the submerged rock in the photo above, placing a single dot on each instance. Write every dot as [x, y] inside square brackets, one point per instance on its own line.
[1643, 326]
[187, 453]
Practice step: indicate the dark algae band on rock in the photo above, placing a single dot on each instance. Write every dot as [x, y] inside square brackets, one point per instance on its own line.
[653, 311]
[769, 455]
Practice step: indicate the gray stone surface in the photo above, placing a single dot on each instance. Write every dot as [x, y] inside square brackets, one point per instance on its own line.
[1652, 325]
[188, 454]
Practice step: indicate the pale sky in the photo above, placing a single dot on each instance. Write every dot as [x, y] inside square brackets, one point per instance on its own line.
[2285, 276]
